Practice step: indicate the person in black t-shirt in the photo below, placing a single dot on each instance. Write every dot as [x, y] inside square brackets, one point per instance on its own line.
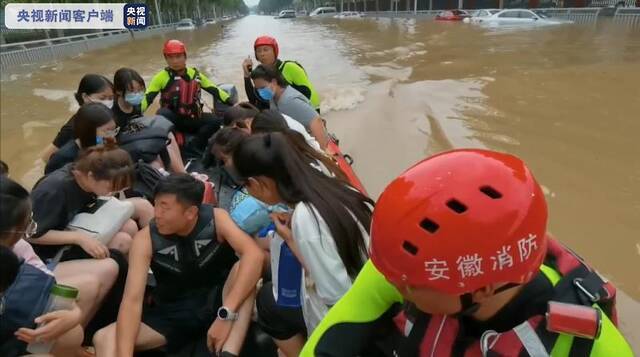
[92, 125]
[93, 88]
[59, 196]
[129, 88]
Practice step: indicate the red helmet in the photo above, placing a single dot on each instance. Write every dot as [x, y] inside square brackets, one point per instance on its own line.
[459, 221]
[267, 41]
[174, 47]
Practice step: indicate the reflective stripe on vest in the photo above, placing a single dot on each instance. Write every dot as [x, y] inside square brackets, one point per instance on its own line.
[530, 340]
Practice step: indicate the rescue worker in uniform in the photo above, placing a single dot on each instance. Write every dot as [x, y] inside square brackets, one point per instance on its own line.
[266, 51]
[191, 249]
[462, 263]
[180, 95]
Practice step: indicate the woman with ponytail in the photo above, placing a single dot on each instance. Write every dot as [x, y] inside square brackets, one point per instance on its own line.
[326, 229]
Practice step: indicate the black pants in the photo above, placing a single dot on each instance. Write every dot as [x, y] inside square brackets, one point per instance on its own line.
[277, 321]
[203, 128]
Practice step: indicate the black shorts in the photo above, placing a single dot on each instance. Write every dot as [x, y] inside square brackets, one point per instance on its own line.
[279, 322]
[184, 320]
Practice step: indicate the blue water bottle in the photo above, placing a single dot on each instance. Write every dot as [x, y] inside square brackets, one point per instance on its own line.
[289, 278]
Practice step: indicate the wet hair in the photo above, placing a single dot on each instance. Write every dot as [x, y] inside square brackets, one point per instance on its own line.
[4, 168]
[237, 115]
[9, 267]
[227, 140]
[188, 190]
[109, 163]
[341, 207]
[15, 207]
[91, 84]
[268, 73]
[269, 121]
[123, 80]
[87, 119]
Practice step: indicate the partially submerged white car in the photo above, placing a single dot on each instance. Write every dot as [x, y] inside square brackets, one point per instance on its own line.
[186, 25]
[520, 17]
[480, 14]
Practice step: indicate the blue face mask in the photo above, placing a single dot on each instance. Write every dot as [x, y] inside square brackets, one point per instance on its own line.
[99, 140]
[134, 98]
[265, 93]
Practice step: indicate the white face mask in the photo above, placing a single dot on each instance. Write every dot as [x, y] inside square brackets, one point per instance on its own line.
[107, 102]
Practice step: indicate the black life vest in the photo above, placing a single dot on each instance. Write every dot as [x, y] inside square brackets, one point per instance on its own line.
[182, 95]
[184, 265]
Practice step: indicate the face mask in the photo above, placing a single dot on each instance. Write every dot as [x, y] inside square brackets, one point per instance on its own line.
[265, 93]
[134, 98]
[107, 102]
[107, 134]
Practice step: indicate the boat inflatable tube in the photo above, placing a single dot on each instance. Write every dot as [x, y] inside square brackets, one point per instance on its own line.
[102, 219]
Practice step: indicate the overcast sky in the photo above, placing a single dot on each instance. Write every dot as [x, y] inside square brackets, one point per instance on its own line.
[251, 2]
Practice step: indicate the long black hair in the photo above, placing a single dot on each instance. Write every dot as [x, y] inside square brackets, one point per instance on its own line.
[273, 156]
[269, 121]
[15, 206]
[91, 84]
[87, 119]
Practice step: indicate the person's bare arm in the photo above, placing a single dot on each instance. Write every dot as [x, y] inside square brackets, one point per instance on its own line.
[319, 132]
[130, 313]
[89, 244]
[251, 257]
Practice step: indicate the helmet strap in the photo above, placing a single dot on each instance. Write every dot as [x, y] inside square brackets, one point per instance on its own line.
[469, 307]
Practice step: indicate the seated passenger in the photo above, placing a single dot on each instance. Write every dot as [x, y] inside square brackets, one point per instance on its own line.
[272, 87]
[92, 278]
[59, 196]
[92, 124]
[327, 231]
[191, 249]
[93, 88]
[129, 88]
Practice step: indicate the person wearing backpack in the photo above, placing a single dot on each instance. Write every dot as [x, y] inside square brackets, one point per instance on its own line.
[180, 89]
[462, 265]
[266, 50]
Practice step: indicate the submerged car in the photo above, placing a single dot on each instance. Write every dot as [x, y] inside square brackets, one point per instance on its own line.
[479, 14]
[323, 11]
[452, 15]
[209, 22]
[349, 15]
[520, 17]
[286, 14]
[185, 25]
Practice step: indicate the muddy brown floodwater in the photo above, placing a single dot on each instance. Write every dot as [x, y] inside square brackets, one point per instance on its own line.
[565, 99]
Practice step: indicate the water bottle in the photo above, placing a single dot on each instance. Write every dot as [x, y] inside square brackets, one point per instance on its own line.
[61, 297]
[289, 278]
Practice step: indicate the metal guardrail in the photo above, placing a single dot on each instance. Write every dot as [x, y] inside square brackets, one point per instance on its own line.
[577, 15]
[628, 16]
[32, 52]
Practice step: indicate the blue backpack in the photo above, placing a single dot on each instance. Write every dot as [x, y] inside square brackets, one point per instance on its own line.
[21, 303]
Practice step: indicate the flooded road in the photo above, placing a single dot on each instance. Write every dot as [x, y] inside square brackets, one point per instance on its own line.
[565, 99]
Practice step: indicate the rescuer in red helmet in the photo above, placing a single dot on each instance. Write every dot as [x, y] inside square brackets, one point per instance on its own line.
[462, 261]
[266, 51]
[180, 95]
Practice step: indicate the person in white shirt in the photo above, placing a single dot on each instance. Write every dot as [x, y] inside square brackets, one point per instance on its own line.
[327, 231]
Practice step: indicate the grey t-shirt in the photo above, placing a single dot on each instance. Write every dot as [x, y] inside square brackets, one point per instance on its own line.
[295, 105]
